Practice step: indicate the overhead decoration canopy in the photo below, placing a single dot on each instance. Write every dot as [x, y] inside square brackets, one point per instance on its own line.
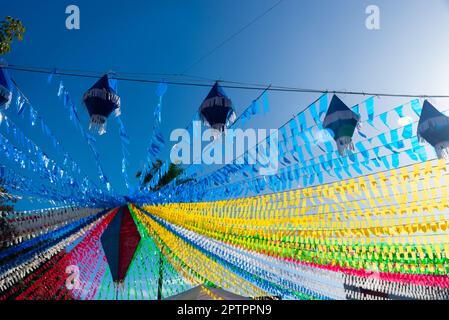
[361, 214]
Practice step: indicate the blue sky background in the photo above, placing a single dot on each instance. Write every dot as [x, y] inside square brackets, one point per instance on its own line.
[313, 44]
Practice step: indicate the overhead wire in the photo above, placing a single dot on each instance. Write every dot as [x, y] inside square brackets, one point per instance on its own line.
[226, 84]
[232, 36]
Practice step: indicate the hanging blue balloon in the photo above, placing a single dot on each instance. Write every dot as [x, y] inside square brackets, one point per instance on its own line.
[101, 100]
[342, 121]
[216, 110]
[6, 88]
[433, 127]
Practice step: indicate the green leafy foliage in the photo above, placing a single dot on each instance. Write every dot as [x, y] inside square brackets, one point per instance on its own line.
[174, 171]
[10, 29]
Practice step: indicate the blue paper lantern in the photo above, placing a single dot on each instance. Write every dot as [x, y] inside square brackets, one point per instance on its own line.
[120, 241]
[342, 121]
[216, 110]
[433, 127]
[6, 88]
[101, 100]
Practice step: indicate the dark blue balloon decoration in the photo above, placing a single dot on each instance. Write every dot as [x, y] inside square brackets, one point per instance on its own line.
[6, 87]
[216, 110]
[433, 127]
[120, 241]
[342, 121]
[101, 100]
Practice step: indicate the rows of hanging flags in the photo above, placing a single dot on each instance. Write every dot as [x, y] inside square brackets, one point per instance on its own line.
[339, 123]
[378, 275]
[124, 140]
[357, 210]
[210, 111]
[308, 154]
[101, 100]
[217, 112]
[6, 89]
[68, 164]
[64, 94]
[375, 233]
[253, 247]
[157, 270]
[35, 159]
[157, 142]
[258, 106]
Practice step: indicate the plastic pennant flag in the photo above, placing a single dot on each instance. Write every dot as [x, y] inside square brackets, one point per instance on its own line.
[20, 104]
[416, 107]
[266, 106]
[51, 75]
[323, 103]
[369, 104]
[384, 118]
[61, 89]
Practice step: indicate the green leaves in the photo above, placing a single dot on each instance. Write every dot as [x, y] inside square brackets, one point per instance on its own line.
[173, 172]
[9, 30]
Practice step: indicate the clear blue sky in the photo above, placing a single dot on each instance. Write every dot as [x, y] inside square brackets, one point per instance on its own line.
[314, 44]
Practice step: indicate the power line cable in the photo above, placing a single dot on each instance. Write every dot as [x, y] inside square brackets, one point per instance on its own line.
[243, 86]
[232, 36]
